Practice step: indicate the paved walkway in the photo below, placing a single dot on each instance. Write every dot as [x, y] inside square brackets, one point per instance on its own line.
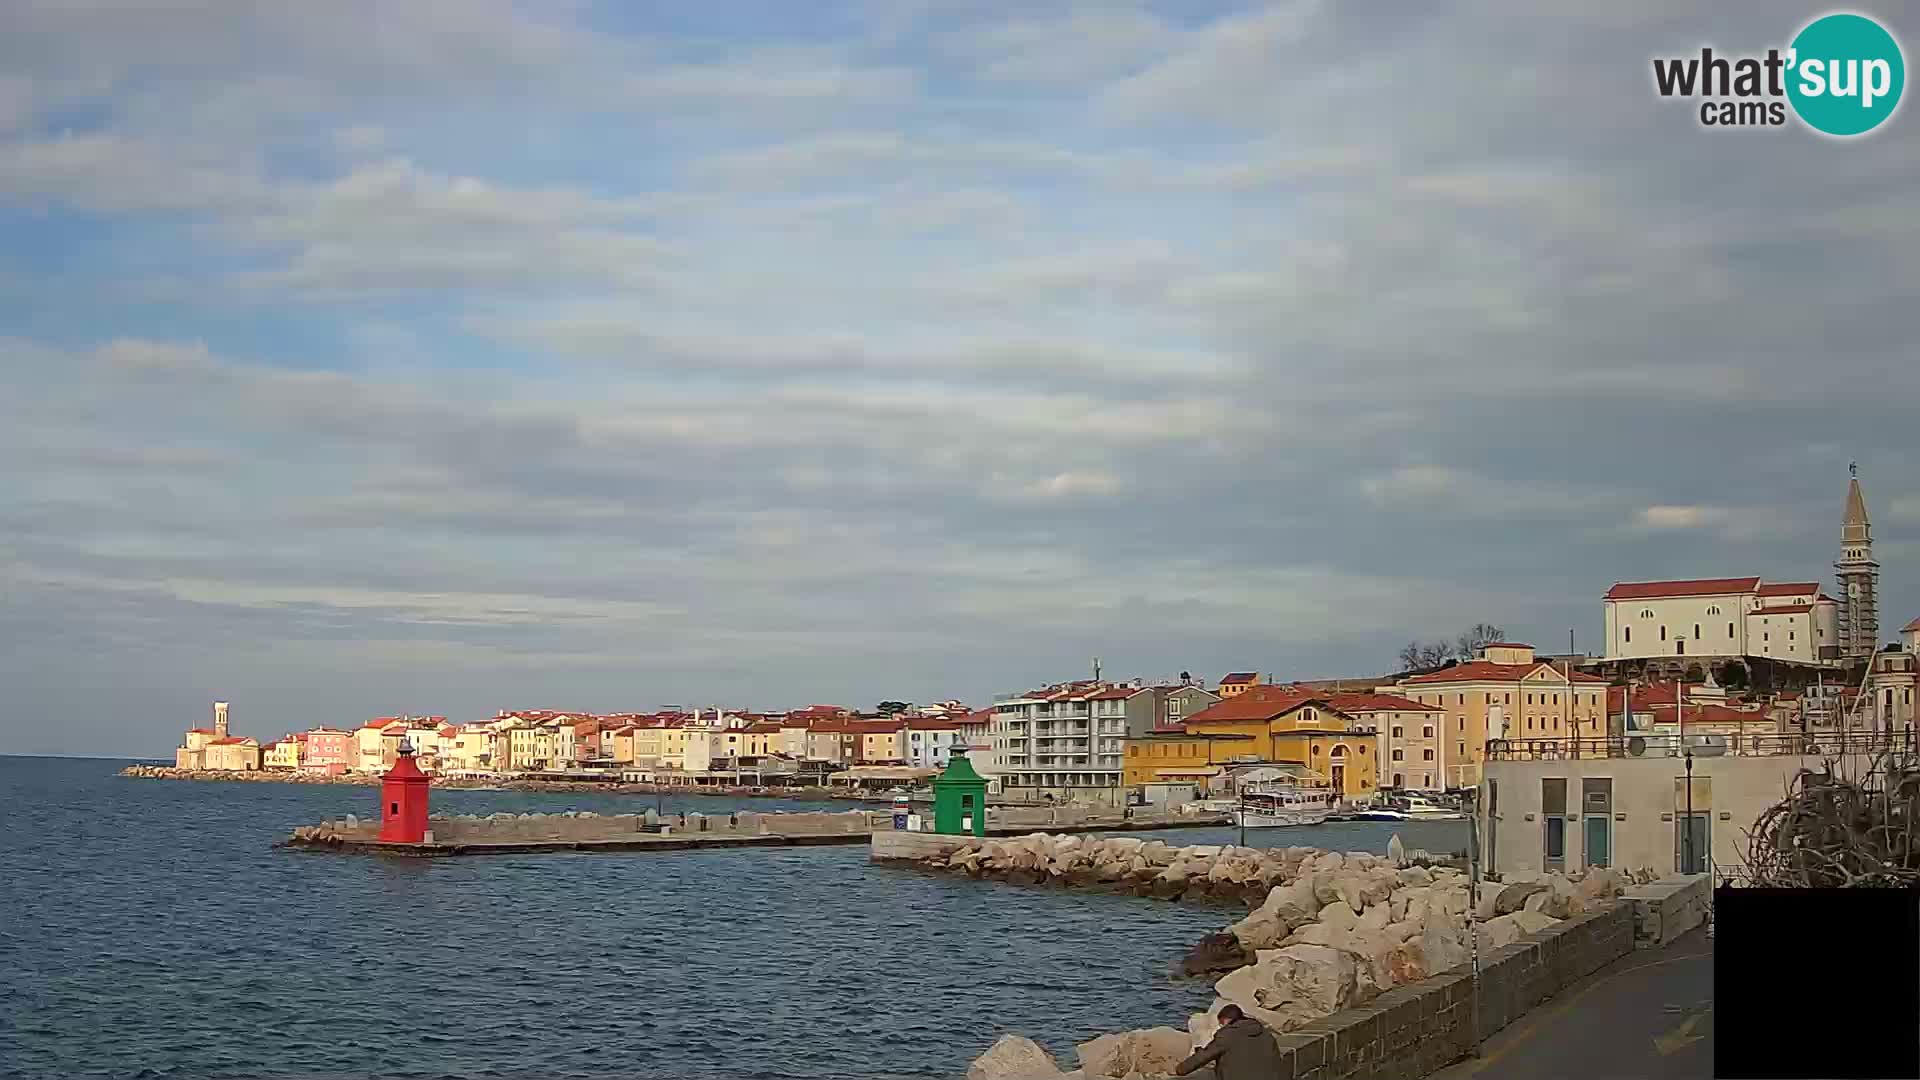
[1646, 1016]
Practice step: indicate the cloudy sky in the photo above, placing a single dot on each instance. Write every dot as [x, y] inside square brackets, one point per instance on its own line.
[447, 356]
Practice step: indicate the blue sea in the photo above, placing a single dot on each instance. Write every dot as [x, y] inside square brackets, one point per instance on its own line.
[149, 928]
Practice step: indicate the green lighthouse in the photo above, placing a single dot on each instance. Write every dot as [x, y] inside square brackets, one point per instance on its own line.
[960, 799]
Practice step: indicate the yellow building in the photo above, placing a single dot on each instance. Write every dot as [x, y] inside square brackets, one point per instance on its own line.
[1281, 724]
[1238, 683]
[879, 740]
[1171, 756]
[663, 746]
[281, 754]
[1506, 693]
[192, 752]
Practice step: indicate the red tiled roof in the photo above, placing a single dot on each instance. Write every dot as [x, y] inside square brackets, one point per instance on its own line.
[1116, 693]
[1911, 627]
[1376, 702]
[874, 727]
[200, 731]
[932, 723]
[1654, 590]
[1709, 714]
[1789, 588]
[1239, 677]
[764, 728]
[1258, 703]
[231, 740]
[1488, 671]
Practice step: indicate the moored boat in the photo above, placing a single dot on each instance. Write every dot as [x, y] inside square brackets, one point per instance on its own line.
[1275, 804]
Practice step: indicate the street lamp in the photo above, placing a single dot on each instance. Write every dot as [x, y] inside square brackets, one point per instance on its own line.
[1686, 833]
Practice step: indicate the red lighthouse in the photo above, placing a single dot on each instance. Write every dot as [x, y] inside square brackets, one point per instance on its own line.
[403, 800]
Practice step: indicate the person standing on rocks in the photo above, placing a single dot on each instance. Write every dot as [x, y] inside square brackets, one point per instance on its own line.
[1243, 1049]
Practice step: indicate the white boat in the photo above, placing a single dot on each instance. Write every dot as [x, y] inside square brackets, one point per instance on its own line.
[1412, 808]
[1271, 805]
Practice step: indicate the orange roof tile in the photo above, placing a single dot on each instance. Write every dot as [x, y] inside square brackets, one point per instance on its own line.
[1238, 677]
[1789, 588]
[1258, 703]
[1488, 671]
[1654, 590]
[1376, 702]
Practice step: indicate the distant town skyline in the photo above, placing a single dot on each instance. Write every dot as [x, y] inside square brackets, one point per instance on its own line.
[865, 351]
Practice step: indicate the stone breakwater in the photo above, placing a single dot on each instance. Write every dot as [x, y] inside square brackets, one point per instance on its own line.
[1328, 931]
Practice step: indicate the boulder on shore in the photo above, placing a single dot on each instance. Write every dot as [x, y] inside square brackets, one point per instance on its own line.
[1153, 1051]
[1013, 1057]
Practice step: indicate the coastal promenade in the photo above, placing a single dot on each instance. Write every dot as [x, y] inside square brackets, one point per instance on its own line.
[1646, 1016]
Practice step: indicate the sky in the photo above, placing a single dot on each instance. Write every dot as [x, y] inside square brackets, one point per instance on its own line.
[362, 358]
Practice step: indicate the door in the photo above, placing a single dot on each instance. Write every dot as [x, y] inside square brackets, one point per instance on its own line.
[1556, 843]
[1339, 781]
[1598, 840]
[1691, 838]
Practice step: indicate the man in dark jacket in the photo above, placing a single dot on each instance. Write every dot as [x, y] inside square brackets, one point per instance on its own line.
[1243, 1049]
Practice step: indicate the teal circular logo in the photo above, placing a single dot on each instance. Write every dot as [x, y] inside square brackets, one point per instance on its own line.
[1845, 74]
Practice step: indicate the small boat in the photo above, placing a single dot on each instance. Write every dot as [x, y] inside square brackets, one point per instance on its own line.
[1411, 808]
[1274, 804]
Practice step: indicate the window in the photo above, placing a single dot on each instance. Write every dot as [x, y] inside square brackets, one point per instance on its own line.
[1398, 781]
[1629, 632]
[1646, 613]
[1426, 755]
[1396, 731]
[1663, 633]
[1696, 631]
[1763, 637]
[1461, 699]
[1729, 631]
[1529, 699]
[1426, 732]
[1714, 609]
[1529, 723]
[1399, 755]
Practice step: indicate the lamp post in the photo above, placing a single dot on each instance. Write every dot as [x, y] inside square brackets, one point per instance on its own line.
[1686, 835]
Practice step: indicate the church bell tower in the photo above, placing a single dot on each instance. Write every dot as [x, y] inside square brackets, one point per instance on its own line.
[1859, 577]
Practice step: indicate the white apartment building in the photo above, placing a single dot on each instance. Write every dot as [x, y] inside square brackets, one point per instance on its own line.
[930, 743]
[1722, 617]
[1069, 740]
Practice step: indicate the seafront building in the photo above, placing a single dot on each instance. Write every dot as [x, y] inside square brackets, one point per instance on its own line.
[1262, 725]
[1503, 692]
[1068, 741]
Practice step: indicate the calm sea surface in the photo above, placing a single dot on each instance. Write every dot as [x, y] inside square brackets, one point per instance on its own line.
[148, 928]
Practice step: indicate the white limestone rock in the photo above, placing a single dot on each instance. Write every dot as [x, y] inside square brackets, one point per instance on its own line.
[1152, 1051]
[1013, 1057]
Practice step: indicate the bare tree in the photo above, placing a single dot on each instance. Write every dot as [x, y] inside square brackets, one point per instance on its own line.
[1424, 655]
[1478, 637]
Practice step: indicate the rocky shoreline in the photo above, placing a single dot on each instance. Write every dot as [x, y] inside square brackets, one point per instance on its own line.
[1327, 930]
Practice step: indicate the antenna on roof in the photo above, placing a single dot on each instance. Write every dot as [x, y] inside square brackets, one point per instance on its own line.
[1096, 669]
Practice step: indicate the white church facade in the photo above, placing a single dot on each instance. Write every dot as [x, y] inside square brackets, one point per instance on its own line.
[1787, 622]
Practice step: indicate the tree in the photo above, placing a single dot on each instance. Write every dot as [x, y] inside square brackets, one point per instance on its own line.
[1423, 656]
[1478, 637]
[892, 708]
[1695, 674]
[1733, 675]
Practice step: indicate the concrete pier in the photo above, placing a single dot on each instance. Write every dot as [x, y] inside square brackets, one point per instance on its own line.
[517, 834]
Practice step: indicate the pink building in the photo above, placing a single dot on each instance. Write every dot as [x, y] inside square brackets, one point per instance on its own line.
[327, 751]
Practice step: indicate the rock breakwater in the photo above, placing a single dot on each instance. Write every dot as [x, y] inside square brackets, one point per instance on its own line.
[1328, 930]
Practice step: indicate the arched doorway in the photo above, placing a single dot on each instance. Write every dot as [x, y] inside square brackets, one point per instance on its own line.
[1337, 768]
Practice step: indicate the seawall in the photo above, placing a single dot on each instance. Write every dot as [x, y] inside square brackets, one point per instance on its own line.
[502, 834]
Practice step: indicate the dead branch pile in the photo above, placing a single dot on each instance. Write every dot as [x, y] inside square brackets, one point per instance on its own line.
[1832, 831]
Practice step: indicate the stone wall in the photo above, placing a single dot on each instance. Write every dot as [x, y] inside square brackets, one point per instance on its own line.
[1413, 1030]
[1665, 909]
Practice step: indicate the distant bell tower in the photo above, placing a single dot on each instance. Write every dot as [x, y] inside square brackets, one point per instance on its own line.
[219, 719]
[1859, 577]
